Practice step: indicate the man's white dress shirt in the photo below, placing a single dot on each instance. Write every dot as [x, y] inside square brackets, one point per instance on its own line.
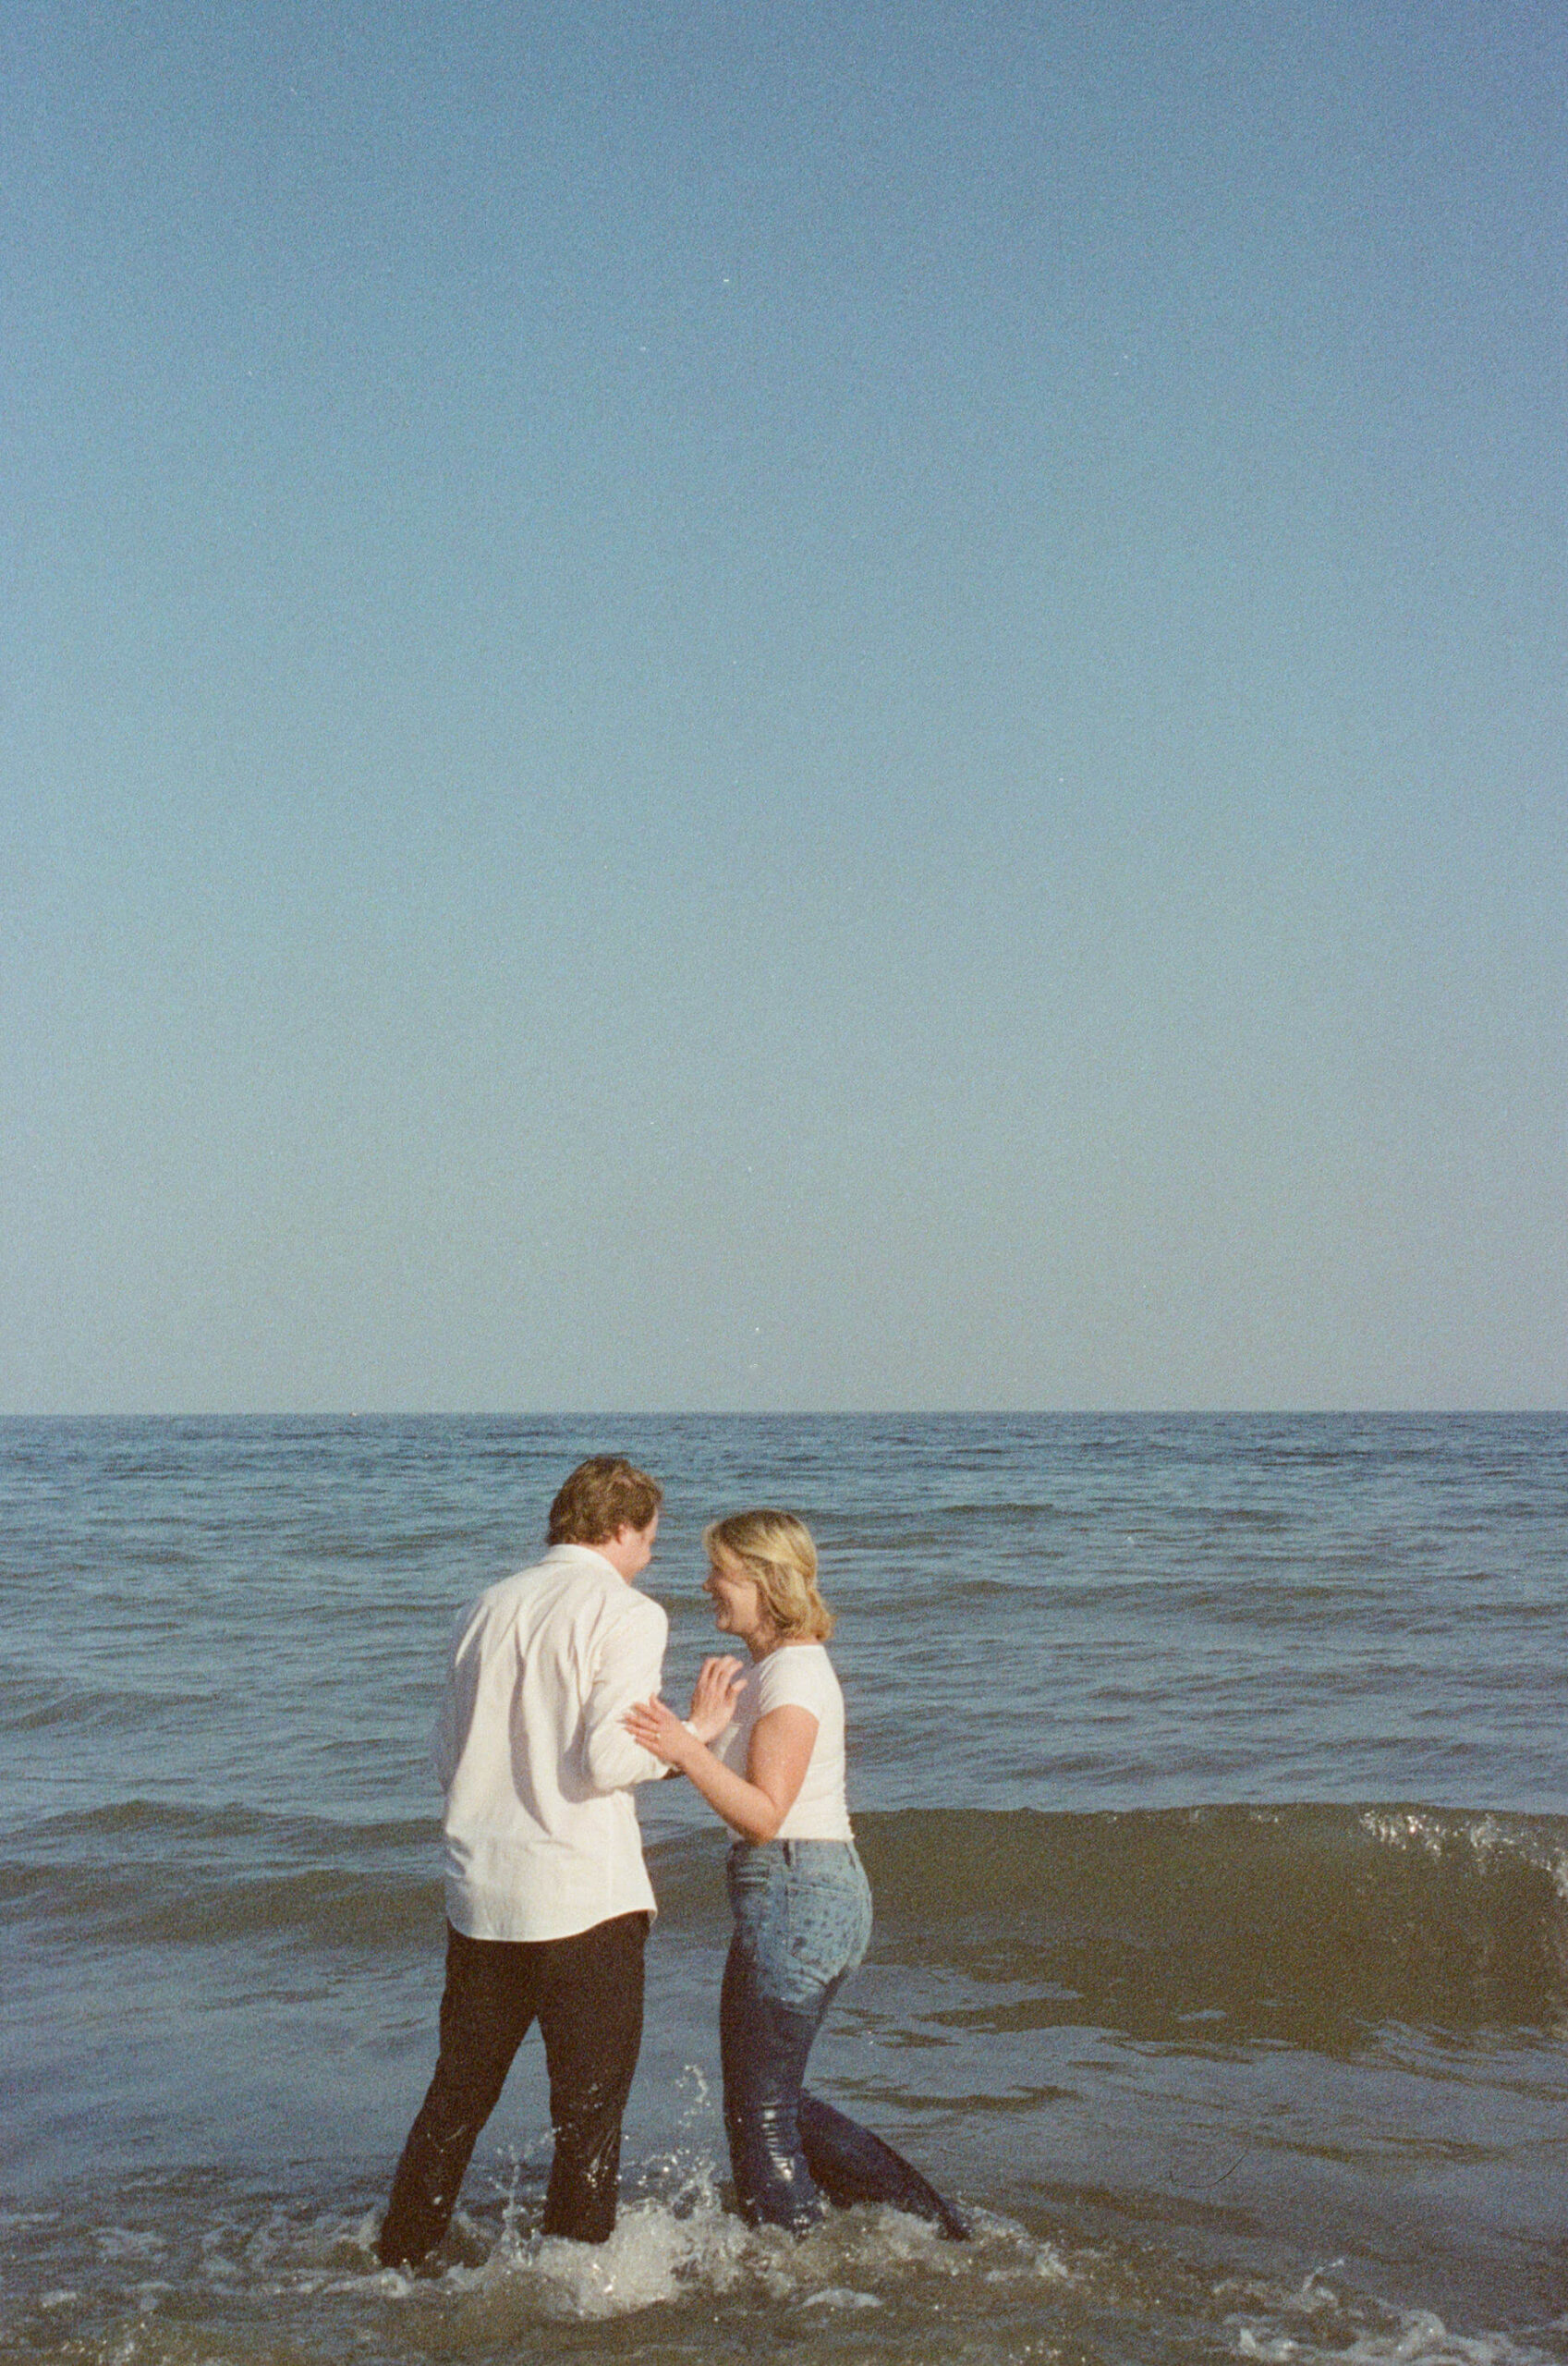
[542, 1833]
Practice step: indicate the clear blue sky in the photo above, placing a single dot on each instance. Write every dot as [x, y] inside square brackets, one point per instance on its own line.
[784, 705]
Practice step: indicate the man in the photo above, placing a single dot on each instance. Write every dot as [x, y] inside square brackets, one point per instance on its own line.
[548, 1901]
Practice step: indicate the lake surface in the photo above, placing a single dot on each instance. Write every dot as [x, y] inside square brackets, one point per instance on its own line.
[1210, 1776]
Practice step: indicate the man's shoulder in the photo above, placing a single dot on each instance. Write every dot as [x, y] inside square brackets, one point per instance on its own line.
[606, 1597]
[505, 1601]
[576, 1582]
[561, 1565]
[500, 1595]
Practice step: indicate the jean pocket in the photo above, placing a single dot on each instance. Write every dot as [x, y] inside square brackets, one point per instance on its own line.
[829, 1926]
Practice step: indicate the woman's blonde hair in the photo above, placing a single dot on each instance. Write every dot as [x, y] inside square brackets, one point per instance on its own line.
[776, 1551]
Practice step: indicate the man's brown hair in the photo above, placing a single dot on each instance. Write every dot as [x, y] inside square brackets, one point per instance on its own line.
[603, 1494]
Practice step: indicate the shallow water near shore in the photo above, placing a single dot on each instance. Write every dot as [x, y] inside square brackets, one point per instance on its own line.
[1208, 1772]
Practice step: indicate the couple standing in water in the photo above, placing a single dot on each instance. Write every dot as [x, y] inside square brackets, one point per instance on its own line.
[551, 1717]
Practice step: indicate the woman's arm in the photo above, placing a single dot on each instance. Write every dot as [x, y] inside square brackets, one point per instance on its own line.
[713, 1702]
[757, 1802]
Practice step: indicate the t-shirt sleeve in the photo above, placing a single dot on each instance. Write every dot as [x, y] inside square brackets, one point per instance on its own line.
[795, 1679]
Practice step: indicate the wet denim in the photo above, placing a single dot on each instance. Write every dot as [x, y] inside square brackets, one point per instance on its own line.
[802, 1914]
[802, 1921]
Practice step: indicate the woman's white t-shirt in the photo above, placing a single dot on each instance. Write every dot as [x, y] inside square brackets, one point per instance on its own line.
[797, 1675]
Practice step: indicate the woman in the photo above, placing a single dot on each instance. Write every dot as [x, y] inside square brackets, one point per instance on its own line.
[774, 1773]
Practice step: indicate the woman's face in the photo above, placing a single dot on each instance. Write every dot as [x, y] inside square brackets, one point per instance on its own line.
[738, 1606]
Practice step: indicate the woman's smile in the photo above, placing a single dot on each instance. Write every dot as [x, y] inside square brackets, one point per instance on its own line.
[737, 1604]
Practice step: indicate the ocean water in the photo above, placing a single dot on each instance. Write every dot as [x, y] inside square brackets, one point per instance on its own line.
[1210, 1777]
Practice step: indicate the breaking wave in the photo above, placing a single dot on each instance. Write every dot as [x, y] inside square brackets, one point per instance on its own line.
[1299, 1923]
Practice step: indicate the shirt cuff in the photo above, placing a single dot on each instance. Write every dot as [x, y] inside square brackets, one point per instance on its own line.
[691, 1730]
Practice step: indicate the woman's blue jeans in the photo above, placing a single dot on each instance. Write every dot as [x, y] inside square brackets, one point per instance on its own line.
[802, 1921]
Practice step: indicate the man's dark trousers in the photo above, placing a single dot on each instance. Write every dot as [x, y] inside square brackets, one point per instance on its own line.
[586, 1994]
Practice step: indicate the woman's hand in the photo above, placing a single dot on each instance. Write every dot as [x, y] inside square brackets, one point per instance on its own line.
[713, 1697]
[658, 1729]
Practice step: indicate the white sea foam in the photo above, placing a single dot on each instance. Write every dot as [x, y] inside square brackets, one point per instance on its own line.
[125, 2242]
[1394, 2337]
[302, 2285]
[683, 2242]
[660, 2251]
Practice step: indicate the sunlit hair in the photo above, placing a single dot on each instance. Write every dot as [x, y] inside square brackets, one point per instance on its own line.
[604, 1496]
[776, 1551]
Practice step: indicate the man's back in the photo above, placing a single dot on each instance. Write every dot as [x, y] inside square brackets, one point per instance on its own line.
[542, 1833]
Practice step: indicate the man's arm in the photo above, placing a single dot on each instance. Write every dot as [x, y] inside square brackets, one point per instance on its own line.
[457, 1711]
[630, 1668]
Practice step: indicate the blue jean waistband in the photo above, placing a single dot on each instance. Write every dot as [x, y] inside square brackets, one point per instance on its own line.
[793, 1853]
